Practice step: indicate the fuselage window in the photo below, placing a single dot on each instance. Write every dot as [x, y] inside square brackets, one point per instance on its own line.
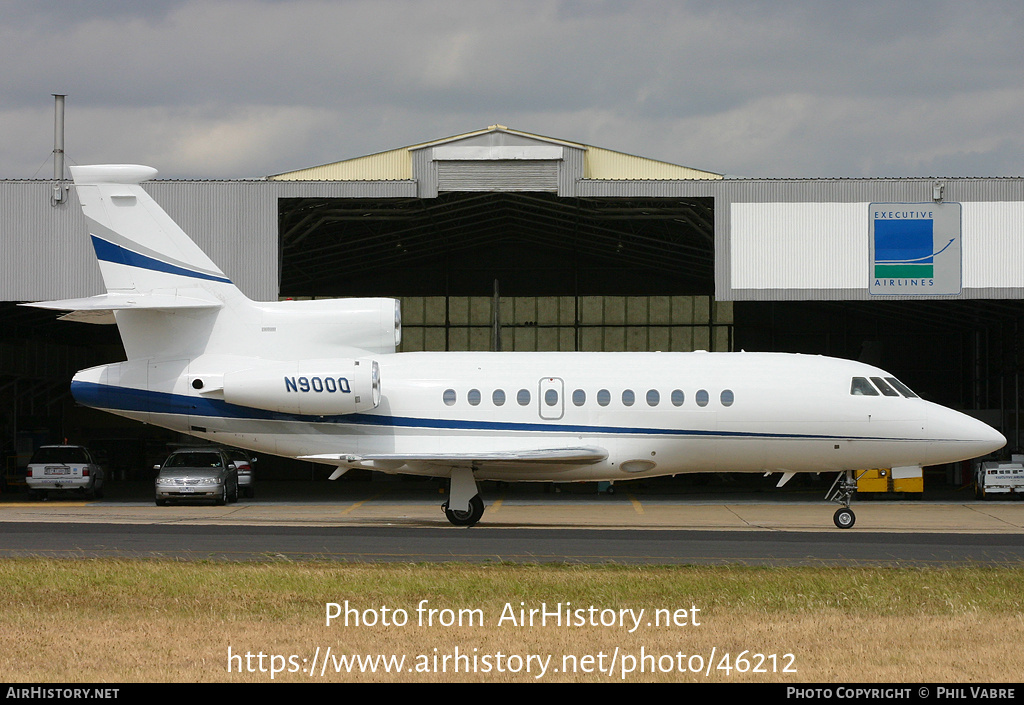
[886, 389]
[901, 388]
[498, 397]
[727, 397]
[473, 397]
[523, 397]
[860, 387]
[579, 397]
[449, 397]
[628, 397]
[702, 397]
[678, 397]
[551, 397]
[653, 397]
[604, 397]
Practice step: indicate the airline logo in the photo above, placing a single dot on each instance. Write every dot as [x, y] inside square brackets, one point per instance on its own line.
[915, 249]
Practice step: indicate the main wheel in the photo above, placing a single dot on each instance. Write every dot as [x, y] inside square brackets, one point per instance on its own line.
[844, 518]
[466, 518]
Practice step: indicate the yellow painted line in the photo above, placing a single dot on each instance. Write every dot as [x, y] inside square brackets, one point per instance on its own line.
[357, 505]
[495, 506]
[637, 507]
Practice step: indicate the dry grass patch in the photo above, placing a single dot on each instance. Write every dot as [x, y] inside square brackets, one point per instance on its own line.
[129, 621]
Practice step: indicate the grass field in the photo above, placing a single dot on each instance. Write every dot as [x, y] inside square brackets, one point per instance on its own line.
[163, 621]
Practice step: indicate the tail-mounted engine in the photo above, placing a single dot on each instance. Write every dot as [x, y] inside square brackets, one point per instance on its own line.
[307, 387]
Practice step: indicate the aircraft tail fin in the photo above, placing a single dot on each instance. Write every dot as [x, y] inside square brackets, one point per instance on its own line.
[138, 246]
[163, 291]
[171, 301]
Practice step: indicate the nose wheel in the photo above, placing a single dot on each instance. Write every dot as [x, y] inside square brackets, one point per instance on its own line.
[842, 492]
[844, 518]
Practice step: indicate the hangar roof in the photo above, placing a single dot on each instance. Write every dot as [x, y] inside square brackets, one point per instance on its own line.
[397, 164]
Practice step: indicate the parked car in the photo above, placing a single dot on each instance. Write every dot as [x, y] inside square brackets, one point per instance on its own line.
[246, 471]
[194, 473]
[63, 467]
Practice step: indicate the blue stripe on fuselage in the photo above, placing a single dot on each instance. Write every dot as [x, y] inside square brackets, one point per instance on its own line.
[113, 398]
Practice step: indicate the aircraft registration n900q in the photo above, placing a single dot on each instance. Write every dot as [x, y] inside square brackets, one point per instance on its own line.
[327, 385]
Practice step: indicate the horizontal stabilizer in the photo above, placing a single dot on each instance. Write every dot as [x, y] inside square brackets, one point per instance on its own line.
[99, 309]
[583, 455]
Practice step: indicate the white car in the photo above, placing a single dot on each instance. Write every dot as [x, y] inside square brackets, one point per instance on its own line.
[245, 466]
[63, 467]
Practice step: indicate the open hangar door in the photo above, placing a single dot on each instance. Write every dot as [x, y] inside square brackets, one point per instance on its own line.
[569, 273]
[458, 243]
[38, 356]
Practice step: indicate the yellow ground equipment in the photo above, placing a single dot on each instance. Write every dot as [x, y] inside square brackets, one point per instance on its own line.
[883, 480]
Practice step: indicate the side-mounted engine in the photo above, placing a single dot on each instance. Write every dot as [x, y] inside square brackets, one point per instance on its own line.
[306, 387]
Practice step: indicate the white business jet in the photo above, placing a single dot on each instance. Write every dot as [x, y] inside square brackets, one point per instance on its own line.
[325, 384]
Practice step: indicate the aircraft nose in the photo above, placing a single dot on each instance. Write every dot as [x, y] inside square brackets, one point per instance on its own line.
[969, 437]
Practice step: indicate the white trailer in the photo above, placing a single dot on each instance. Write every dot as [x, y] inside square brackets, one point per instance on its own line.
[994, 478]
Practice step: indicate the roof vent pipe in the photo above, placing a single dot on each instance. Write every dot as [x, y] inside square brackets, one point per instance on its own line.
[59, 190]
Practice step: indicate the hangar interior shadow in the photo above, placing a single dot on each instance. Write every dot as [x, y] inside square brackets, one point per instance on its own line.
[535, 244]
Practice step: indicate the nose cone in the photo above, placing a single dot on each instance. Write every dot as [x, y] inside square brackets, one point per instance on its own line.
[958, 436]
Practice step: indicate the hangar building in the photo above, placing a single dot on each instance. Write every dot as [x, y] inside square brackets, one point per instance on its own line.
[499, 238]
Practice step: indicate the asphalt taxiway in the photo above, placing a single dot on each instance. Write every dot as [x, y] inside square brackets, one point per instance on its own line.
[403, 522]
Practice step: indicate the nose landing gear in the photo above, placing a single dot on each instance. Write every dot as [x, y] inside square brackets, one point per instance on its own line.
[841, 492]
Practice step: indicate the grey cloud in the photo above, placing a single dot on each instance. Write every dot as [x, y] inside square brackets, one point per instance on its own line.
[230, 88]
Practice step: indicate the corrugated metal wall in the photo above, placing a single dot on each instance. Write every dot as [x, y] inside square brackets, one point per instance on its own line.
[46, 252]
[994, 251]
[809, 240]
[508, 175]
[798, 245]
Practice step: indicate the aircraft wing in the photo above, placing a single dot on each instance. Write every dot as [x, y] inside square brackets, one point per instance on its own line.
[99, 309]
[583, 455]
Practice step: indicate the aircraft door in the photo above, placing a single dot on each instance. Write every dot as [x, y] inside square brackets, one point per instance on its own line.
[551, 398]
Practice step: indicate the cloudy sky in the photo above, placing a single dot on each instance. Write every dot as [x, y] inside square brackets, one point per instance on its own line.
[237, 89]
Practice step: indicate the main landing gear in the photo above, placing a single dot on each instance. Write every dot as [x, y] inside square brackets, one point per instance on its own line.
[465, 518]
[842, 492]
[464, 507]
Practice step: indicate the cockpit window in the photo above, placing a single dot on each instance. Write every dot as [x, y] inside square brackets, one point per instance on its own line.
[886, 389]
[901, 388]
[862, 388]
